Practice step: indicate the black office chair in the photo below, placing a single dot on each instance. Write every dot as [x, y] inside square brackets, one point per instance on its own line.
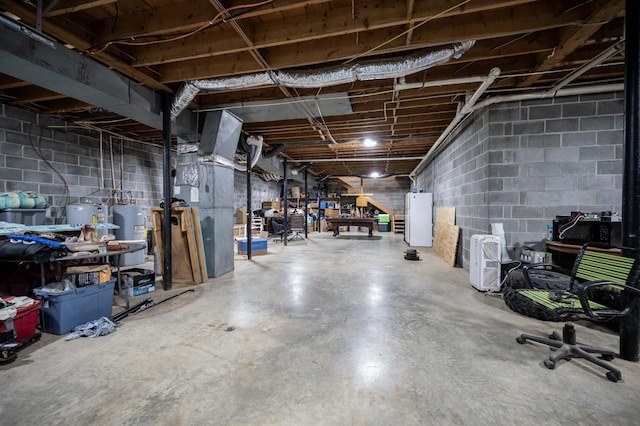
[278, 229]
[602, 286]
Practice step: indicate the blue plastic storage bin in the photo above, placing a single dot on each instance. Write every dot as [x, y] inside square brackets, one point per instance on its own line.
[257, 244]
[61, 311]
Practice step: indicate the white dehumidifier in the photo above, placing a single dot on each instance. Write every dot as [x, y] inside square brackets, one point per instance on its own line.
[484, 271]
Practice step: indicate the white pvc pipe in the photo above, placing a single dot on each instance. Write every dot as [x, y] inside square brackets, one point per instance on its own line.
[556, 90]
[493, 74]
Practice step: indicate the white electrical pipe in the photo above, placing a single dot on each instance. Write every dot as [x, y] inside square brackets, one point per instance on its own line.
[493, 74]
[556, 90]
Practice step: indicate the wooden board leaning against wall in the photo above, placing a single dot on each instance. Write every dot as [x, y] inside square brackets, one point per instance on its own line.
[445, 241]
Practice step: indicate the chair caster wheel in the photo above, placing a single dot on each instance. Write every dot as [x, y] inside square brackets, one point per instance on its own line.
[614, 377]
[549, 364]
[520, 340]
[608, 357]
[555, 336]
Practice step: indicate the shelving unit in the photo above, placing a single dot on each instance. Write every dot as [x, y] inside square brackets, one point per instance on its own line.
[398, 224]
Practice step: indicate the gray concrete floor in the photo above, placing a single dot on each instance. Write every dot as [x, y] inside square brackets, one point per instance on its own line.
[329, 331]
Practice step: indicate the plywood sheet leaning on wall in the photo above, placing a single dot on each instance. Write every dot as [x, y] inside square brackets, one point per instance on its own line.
[187, 250]
[445, 241]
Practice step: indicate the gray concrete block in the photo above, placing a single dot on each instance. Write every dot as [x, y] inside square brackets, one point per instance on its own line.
[495, 184]
[528, 155]
[610, 137]
[504, 198]
[611, 198]
[560, 169]
[609, 167]
[562, 197]
[518, 212]
[11, 149]
[498, 212]
[504, 142]
[597, 123]
[504, 170]
[561, 182]
[537, 226]
[581, 109]
[496, 157]
[561, 154]
[588, 153]
[63, 157]
[528, 127]
[596, 182]
[496, 129]
[10, 124]
[615, 106]
[579, 139]
[504, 115]
[543, 141]
[562, 125]
[22, 163]
[526, 184]
[544, 111]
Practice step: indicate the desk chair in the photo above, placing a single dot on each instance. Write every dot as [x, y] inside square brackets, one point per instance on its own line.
[297, 225]
[602, 286]
[278, 229]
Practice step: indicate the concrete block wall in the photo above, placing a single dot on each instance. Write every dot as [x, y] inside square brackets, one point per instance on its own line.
[71, 165]
[388, 191]
[64, 164]
[523, 163]
[261, 190]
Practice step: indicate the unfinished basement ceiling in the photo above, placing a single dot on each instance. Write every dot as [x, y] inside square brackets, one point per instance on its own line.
[161, 44]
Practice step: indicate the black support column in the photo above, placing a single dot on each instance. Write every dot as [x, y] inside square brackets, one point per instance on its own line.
[306, 204]
[630, 324]
[167, 181]
[249, 214]
[285, 201]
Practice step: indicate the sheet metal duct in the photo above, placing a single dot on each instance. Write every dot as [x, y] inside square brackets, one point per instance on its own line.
[205, 178]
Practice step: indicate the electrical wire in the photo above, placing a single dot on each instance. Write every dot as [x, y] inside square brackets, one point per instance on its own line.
[65, 197]
[131, 41]
[402, 34]
[573, 222]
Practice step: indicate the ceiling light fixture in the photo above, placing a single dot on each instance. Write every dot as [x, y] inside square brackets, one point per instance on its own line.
[374, 175]
[369, 142]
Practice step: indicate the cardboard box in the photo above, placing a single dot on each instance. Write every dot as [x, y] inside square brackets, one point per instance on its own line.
[138, 276]
[266, 205]
[138, 289]
[84, 275]
[137, 281]
[241, 215]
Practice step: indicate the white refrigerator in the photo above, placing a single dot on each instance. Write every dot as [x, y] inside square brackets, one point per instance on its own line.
[418, 219]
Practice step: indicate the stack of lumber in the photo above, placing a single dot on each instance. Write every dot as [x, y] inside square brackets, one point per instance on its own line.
[187, 251]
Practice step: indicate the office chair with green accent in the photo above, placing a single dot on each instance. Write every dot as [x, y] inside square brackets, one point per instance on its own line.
[602, 286]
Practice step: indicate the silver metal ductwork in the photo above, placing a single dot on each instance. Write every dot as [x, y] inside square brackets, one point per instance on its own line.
[341, 74]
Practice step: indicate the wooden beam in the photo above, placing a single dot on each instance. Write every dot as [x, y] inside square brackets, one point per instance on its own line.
[576, 38]
[77, 6]
[28, 14]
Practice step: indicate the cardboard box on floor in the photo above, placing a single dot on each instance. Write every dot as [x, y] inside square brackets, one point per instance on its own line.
[241, 215]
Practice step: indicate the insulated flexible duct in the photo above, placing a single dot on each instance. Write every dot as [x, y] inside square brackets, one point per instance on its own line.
[331, 76]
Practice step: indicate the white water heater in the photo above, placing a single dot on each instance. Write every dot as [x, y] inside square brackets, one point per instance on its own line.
[484, 270]
[132, 222]
[87, 214]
